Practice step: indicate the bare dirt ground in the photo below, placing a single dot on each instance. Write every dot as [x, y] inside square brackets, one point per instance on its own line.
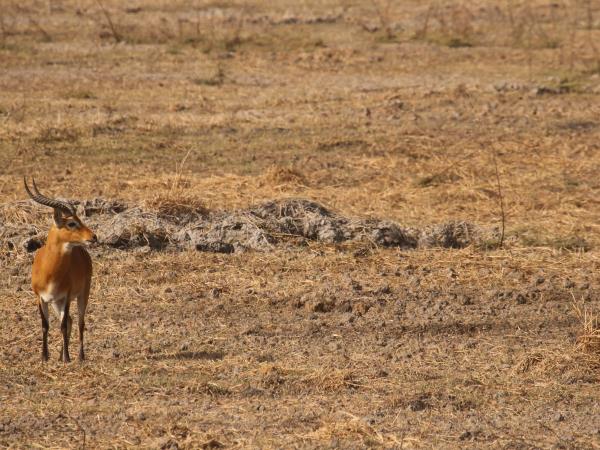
[300, 222]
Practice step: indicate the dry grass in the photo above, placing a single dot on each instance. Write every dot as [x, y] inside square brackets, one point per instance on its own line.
[277, 176]
[589, 337]
[380, 110]
[176, 204]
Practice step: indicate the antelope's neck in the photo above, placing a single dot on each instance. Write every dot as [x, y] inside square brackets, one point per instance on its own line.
[58, 254]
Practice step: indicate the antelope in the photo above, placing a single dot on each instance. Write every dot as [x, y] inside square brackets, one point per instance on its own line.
[62, 271]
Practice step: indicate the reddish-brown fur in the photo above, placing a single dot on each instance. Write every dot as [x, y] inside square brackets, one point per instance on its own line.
[70, 271]
[62, 271]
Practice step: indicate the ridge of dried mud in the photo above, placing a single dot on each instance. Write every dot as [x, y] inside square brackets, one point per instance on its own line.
[262, 227]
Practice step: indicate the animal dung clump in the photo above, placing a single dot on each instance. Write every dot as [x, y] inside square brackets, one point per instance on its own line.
[262, 228]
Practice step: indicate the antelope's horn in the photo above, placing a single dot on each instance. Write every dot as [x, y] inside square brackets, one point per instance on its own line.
[43, 200]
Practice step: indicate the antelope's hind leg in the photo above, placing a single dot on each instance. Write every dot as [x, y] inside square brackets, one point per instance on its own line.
[62, 310]
[43, 307]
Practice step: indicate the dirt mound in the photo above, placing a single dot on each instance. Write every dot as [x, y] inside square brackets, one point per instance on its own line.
[227, 232]
[100, 206]
[13, 237]
[265, 225]
[261, 227]
[135, 228]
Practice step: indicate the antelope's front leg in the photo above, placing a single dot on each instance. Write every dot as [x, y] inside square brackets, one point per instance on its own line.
[43, 307]
[65, 327]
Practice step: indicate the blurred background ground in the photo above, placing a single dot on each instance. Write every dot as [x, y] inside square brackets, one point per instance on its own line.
[391, 110]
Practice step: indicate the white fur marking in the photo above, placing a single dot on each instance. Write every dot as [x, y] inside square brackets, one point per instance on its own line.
[68, 246]
[50, 295]
[59, 309]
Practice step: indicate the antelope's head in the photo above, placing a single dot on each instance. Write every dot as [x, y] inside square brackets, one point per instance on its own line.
[68, 228]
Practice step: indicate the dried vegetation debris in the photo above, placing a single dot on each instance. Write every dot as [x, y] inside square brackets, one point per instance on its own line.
[260, 227]
[100, 206]
[16, 231]
[135, 228]
[19, 236]
[580, 365]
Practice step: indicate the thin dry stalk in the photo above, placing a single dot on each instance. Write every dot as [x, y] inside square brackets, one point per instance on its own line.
[236, 38]
[515, 32]
[591, 40]
[572, 35]
[35, 24]
[175, 203]
[118, 38]
[529, 45]
[384, 17]
[45, 35]
[422, 33]
[589, 15]
[3, 27]
[500, 199]
[178, 171]
[83, 433]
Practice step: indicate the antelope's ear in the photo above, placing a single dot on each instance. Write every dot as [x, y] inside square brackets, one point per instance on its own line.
[58, 218]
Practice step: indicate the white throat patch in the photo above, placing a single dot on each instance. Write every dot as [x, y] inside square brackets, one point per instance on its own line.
[68, 246]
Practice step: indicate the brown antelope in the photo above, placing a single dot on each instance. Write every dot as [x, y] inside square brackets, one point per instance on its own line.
[62, 271]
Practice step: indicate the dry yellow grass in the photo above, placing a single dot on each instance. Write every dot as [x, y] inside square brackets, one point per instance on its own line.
[589, 337]
[392, 110]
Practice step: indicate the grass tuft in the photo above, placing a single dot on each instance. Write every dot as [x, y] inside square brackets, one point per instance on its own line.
[589, 337]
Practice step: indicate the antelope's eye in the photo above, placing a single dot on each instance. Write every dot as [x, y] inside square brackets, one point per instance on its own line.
[71, 224]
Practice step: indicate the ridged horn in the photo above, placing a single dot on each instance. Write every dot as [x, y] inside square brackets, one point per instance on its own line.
[43, 200]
